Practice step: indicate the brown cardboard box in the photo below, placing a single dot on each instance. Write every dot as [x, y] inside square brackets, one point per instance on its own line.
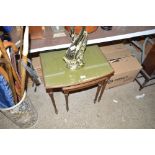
[115, 51]
[126, 69]
[125, 66]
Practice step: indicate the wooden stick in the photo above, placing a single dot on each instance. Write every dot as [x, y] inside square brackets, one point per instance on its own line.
[0, 54]
[12, 85]
[12, 54]
[21, 47]
[5, 55]
[24, 59]
[10, 44]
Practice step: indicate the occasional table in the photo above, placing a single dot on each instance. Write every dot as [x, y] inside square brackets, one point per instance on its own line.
[56, 75]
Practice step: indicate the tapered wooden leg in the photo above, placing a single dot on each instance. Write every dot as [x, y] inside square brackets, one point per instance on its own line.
[97, 92]
[53, 101]
[66, 98]
[102, 90]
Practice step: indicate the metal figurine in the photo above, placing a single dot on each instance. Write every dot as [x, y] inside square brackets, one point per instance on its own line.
[74, 56]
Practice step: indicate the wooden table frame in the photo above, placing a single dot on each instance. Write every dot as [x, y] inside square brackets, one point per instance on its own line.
[99, 82]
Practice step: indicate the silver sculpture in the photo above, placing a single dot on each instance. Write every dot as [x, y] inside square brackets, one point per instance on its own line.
[74, 56]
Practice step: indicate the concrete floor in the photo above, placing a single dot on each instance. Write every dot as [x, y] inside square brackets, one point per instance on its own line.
[128, 112]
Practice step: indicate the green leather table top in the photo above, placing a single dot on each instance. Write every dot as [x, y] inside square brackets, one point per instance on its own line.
[56, 74]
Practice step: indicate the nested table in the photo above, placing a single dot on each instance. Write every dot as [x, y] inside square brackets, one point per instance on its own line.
[56, 75]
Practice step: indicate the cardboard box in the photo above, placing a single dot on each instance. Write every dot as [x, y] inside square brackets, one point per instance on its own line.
[115, 51]
[126, 70]
[125, 66]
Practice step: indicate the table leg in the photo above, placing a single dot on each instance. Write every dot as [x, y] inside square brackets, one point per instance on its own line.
[97, 92]
[53, 101]
[66, 98]
[102, 90]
